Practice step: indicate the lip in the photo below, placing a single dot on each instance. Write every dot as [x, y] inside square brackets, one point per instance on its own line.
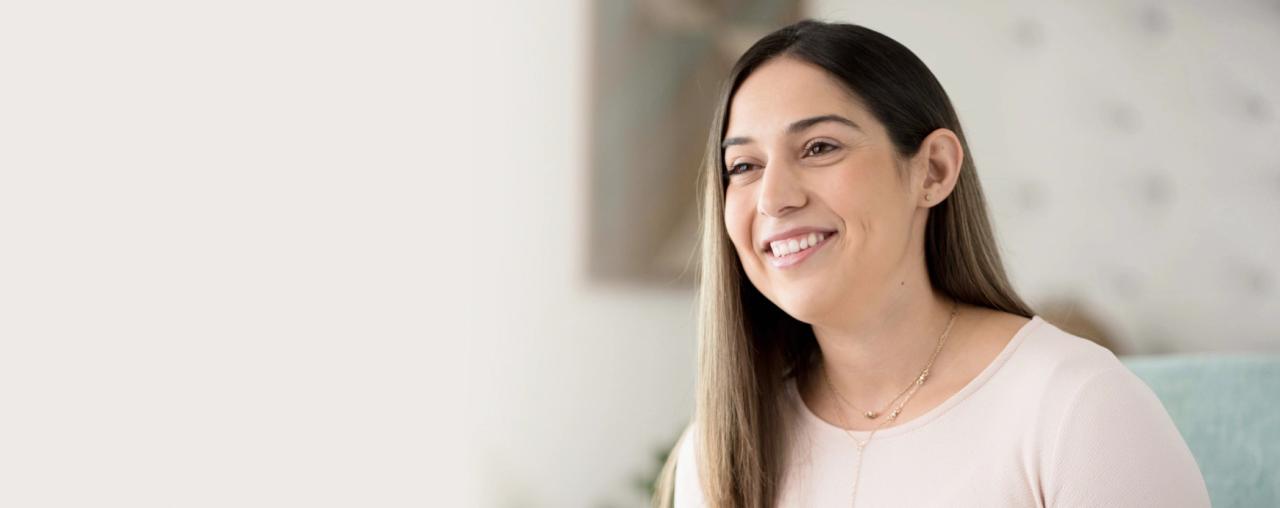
[764, 244]
[790, 260]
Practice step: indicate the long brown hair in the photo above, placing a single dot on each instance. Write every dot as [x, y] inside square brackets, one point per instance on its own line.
[748, 347]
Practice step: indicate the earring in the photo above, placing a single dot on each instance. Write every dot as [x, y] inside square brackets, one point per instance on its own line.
[928, 197]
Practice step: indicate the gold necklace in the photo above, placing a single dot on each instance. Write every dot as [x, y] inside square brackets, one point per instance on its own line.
[871, 415]
[920, 378]
[910, 392]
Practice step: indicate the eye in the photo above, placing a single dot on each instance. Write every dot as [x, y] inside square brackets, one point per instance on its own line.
[741, 167]
[819, 148]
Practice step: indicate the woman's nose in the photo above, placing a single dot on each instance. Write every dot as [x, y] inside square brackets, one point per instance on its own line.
[780, 191]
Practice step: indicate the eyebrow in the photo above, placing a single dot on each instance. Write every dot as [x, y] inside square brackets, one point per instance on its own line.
[797, 126]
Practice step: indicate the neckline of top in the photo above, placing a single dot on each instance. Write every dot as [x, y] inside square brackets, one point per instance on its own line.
[974, 384]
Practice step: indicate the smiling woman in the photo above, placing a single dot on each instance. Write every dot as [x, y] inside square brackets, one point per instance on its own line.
[858, 336]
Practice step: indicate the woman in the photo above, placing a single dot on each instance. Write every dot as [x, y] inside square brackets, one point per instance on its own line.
[859, 341]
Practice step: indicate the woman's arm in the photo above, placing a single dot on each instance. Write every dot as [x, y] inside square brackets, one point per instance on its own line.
[1117, 446]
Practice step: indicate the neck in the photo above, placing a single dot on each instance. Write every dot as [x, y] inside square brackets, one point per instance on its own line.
[872, 354]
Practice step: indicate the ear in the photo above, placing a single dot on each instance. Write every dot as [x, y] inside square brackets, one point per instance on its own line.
[942, 156]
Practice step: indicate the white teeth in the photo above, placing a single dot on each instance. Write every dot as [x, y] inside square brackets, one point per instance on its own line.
[784, 247]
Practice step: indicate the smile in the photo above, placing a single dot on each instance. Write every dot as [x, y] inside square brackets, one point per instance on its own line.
[791, 251]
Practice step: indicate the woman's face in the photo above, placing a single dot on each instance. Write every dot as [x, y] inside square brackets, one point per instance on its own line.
[817, 208]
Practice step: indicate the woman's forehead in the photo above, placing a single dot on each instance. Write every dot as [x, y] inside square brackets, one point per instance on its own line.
[785, 90]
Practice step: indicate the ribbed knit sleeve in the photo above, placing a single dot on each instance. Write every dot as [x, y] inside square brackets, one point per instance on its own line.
[1117, 446]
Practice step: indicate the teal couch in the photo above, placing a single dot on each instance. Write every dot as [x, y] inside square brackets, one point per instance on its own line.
[1228, 410]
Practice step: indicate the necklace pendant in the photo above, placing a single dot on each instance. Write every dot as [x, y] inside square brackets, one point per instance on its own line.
[871, 415]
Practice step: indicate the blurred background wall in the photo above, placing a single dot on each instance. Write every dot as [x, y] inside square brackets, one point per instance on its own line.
[578, 380]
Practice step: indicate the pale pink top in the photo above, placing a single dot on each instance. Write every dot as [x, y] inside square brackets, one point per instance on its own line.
[1054, 421]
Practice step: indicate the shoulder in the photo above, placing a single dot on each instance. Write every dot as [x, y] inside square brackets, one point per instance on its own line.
[1105, 438]
[688, 489]
[1058, 362]
[1034, 361]
[1067, 352]
[1066, 375]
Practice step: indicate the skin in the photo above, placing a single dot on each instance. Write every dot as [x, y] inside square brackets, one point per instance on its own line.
[865, 290]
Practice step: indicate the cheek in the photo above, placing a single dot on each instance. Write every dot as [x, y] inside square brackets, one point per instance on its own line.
[737, 219]
[871, 207]
[736, 222]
